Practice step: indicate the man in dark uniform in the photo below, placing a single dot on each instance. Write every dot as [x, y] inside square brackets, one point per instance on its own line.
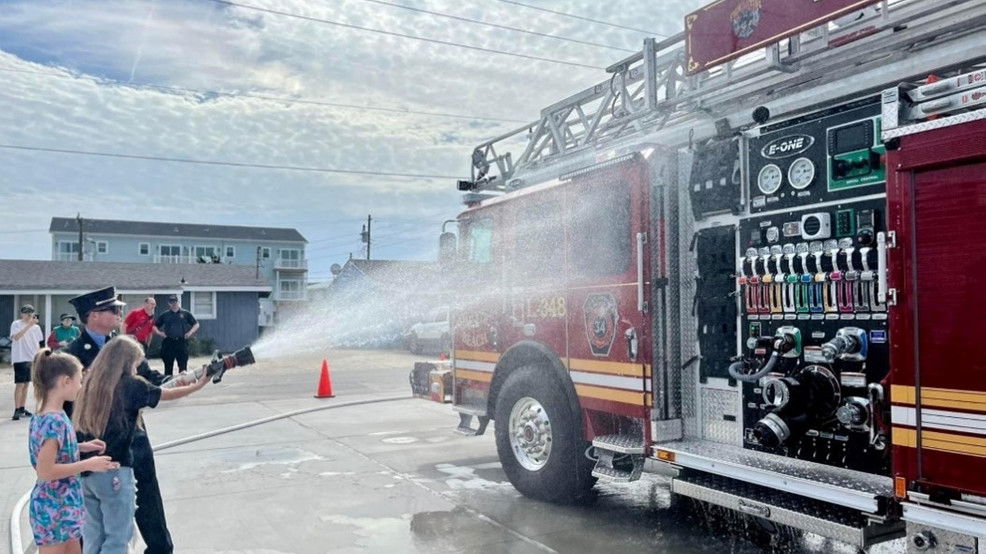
[176, 326]
[100, 313]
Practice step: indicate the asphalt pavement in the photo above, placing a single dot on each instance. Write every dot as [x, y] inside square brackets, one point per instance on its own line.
[383, 477]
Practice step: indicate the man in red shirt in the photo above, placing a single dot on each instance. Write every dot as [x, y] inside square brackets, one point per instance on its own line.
[140, 322]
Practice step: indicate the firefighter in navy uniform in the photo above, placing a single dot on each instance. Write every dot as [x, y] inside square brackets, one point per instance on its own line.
[100, 313]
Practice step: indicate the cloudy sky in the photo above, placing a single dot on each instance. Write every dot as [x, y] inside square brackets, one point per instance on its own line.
[141, 78]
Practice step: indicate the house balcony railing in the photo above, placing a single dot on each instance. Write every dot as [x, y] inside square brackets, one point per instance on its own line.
[287, 263]
[289, 295]
[174, 259]
[72, 257]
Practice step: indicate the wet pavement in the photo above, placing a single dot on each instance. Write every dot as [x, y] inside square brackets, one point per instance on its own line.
[389, 477]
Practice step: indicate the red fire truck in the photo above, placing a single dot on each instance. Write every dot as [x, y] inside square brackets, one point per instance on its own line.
[748, 257]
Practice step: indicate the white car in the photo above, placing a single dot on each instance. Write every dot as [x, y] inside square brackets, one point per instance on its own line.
[431, 334]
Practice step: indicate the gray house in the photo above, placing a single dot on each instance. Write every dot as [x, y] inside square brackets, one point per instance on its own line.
[224, 298]
[276, 254]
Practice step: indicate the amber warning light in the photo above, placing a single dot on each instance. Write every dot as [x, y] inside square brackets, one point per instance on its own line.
[900, 487]
[665, 455]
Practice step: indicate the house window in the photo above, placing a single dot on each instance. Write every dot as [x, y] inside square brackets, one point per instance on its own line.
[290, 289]
[289, 257]
[203, 305]
[102, 247]
[206, 254]
[230, 251]
[68, 247]
[169, 250]
[265, 252]
[143, 249]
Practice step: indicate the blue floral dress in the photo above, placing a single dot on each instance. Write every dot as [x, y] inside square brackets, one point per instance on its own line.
[57, 509]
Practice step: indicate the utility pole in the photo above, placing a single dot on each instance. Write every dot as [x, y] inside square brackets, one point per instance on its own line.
[365, 235]
[78, 219]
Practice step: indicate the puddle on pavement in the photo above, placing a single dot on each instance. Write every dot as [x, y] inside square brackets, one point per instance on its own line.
[249, 459]
[380, 534]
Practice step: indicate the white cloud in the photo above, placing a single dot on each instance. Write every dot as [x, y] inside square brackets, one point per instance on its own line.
[206, 46]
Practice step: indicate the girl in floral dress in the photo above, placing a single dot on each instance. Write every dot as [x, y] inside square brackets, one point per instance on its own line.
[57, 512]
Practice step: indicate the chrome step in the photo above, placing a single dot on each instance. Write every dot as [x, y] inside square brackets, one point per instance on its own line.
[619, 475]
[619, 458]
[813, 516]
[621, 444]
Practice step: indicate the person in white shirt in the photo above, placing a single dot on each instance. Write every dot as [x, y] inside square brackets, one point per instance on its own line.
[27, 337]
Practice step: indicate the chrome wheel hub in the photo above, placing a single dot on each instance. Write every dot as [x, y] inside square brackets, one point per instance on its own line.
[530, 433]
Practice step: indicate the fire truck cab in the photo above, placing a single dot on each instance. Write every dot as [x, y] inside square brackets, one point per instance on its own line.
[755, 271]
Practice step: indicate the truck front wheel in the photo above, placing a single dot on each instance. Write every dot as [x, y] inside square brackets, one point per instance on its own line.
[538, 438]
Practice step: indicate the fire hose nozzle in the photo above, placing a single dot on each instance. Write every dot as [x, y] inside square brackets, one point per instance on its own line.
[219, 364]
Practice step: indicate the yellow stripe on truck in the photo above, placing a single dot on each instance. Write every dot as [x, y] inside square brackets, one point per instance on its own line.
[476, 355]
[942, 442]
[941, 398]
[626, 397]
[481, 376]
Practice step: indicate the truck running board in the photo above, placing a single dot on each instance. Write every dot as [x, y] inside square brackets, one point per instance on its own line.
[813, 516]
[864, 492]
[619, 458]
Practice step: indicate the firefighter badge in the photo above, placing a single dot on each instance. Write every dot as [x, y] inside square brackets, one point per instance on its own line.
[746, 18]
[600, 322]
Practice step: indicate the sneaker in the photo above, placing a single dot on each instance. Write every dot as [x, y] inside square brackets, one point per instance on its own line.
[17, 414]
[26, 413]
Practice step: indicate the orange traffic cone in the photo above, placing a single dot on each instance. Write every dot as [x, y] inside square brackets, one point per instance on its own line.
[324, 382]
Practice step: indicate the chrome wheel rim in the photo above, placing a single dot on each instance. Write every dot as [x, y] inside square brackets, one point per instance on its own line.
[530, 433]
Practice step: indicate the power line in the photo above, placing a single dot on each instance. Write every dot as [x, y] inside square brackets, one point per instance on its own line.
[618, 26]
[403, 35]
[270, 98]
[224, 163]
[498, 26]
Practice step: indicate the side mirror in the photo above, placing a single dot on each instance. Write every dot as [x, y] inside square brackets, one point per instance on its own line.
[447, 247]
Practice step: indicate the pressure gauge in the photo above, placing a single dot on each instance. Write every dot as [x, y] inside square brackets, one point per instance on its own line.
[801, 173]
[769, 180]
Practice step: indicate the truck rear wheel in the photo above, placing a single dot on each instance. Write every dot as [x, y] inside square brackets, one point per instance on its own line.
[538, 438]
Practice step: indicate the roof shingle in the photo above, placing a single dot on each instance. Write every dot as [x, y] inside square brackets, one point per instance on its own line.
[162, 229]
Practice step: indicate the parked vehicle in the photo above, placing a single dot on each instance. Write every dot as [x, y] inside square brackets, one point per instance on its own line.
[432, 334]
[762, 276]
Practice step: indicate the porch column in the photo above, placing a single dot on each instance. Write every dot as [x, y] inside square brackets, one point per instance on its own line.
[48, 327]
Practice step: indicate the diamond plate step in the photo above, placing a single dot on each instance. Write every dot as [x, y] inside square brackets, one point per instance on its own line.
[825, 519]
[618, 475]
[621, 444]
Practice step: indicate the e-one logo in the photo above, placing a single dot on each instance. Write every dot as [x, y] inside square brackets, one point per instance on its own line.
[787, 146]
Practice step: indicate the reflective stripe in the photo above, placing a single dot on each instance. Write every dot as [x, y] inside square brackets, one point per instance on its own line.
[477, 366]
[629, 383]
[964, 422]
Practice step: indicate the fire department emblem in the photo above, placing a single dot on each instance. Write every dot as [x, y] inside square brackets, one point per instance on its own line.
[600, 322]
[746, 18]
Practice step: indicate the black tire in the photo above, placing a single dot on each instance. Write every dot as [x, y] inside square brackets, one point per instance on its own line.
[566, 474]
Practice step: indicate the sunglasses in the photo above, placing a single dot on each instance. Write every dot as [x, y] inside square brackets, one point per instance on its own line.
[115, 309]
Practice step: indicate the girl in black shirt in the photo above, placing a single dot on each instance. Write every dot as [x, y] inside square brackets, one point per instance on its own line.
[108, 408]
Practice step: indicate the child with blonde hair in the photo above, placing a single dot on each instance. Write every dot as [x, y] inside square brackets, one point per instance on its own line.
[109, 409]
[57, 514]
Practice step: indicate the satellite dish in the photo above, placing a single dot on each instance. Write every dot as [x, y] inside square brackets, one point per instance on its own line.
[336, 269]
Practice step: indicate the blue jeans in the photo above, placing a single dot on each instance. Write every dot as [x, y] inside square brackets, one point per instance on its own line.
[109, 499]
